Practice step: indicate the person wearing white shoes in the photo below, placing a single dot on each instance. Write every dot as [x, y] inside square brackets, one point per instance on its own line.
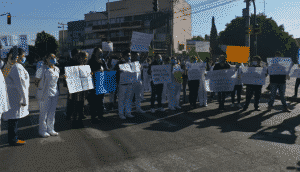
[202, 94]
[17, 82]
[48, 91]
[238, 88]
[156, 89]
[145, 77]
[124, 92]
[137, 87]
[175, 86]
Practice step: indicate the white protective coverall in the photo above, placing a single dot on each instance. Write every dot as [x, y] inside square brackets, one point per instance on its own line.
[174, 89]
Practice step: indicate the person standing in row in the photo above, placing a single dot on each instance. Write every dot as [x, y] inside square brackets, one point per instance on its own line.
[165, 92]
[4, 101]
[124, 92]
[156, 89]
[202, 94]
[184, 79]
[219, 66]
[175, 88]
[237, 88]
[193, 85]
[48, 91]
[256, 62]
[97, 64]
[111, 65]
[17, 81]
[137, 87]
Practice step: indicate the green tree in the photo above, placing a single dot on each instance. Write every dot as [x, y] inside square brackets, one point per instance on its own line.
[198, 38]
[207, 37]
[45, 43]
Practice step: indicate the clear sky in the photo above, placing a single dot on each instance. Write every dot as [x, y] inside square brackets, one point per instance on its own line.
[32, 16]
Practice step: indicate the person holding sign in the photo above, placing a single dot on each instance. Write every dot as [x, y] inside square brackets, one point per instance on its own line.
[124, 92]
[156, 89]
[97, 64]
[253, 88]
[175, 88]
[202, 94]
[193, 83]
[220, 66]
[17, 82]
[47, 77]
[278, 82]
[238, 88]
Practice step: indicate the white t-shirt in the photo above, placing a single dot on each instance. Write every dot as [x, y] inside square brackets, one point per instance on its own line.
[50, 80]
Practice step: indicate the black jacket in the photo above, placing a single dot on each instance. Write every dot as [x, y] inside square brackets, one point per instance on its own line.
[220, 67]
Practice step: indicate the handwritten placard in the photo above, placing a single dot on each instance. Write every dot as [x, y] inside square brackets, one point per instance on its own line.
[279, 65]
[79, 78]
[161, 74]
[105, 82]
[254, 75]
[222, 80]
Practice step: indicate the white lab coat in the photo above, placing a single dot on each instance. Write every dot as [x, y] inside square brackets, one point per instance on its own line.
[174, 89]
[18, 92]
[4, 101]
[202, 94]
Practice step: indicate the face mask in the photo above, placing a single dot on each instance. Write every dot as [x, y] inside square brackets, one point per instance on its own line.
[53, 61]
[254, 63]
[24, 60]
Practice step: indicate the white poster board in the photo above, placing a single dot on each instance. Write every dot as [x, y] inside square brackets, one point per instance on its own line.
[222, 80]
[253, 75]
[107, 46]
[140, 41]
[79, 78]
[196, 70]
[161, 74]
[279, 65]
[295, 71]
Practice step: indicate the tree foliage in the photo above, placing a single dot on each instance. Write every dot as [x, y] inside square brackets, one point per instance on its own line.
[45, 43]
[272, 38]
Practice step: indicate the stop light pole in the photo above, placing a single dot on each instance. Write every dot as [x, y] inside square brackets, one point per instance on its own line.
[255, 28]
[155, 9]
[247, 19]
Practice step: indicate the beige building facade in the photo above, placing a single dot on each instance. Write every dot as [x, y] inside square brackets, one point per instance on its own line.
[127, 16]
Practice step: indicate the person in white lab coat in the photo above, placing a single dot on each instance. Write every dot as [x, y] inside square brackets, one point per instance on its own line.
[175, 86]
[47, 76]
[17, 81]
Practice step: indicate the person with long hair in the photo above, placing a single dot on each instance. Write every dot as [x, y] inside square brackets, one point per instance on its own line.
[97, 64]
[17, 81]
[48, 73]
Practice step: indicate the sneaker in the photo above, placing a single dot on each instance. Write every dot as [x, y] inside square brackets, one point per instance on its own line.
[232, 105]
[177, 107]
[161, 109]
[139, 110]
[172, 108]
[286, 109]
[45, 134]
[129, 115]
[257, 109]
[122, 116]
[53, 133]
[17, 143]
[152, 110]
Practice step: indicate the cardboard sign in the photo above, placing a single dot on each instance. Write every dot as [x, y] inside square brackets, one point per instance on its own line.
[140, 41]
[79, 78]
[161, 74]
[107, 46]
[105, 82]
[196, 70]
[295, 71]
[222, 80]
[254, 75]
[279, 65]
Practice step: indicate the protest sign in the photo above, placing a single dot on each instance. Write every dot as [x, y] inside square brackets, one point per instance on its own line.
[254, 75]
[196, 70]
[79, 78]
[221, 80]
[202, 46]
[161, 74]
[105, 82]
[295, 71]
[23, 44]
[107, 46]
[140, 41]
[279, 65]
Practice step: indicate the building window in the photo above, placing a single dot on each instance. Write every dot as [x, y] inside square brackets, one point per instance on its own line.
[89, 24]
[95, 23]
[120, 20]
[120, 33]
[113, 35]
[104, 22]
[112, 21]
[127, 33]
[128, 18]
[100, 22]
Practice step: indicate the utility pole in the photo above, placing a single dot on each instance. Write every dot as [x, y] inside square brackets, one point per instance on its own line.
[247, 19]
[255, 27]
[63, 26]
[108, 22]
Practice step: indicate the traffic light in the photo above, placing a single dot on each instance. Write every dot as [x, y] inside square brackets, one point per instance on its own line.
[257, 30]
[155, 5]
[249, 30]
[8, 19]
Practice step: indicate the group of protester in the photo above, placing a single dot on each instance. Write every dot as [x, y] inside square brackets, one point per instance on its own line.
[14, 100]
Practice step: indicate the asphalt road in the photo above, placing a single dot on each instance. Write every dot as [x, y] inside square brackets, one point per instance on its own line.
[203, 139]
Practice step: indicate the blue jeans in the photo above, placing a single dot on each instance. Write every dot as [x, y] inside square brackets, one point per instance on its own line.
[274, 87]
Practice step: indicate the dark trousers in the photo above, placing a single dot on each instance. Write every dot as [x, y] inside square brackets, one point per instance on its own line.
[96, 104]
[70, 106]
[238, 89]
[249, 93]
[185, 81]
[221, 98]
[297, 85]
[156, 89]
[12, 130]
[193, 87]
